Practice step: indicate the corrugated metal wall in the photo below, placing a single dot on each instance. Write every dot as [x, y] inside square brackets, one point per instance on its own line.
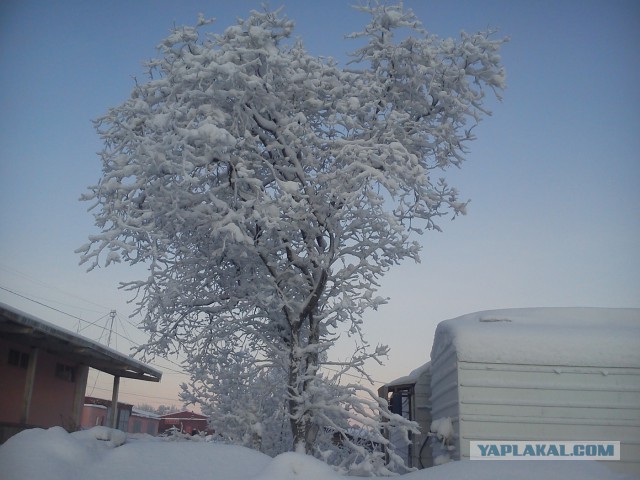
[530, 402]
[444, 390]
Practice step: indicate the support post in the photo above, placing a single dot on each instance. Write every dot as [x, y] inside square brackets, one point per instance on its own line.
[28, 386]
[82, 371]
[114, 402]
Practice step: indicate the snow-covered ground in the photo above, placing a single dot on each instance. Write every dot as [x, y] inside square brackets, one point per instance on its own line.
[104, 454]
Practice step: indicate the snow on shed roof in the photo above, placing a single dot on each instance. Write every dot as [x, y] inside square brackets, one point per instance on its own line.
[600, 337]
[144, 413]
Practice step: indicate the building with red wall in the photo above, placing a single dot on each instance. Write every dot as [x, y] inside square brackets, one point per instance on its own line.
[93, 415]
[96, 411]
[53, 397]
[43, 373]
[143, 422]
[185, 422]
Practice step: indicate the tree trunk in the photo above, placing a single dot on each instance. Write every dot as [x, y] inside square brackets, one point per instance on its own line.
[296, 414]
[302, 368]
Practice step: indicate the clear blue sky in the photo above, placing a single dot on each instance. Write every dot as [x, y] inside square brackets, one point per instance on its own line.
[554, 177]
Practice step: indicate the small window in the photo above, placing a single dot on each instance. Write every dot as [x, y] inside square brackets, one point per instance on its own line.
[65, 372]
[18, 359]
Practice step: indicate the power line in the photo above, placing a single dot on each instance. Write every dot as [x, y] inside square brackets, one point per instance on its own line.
[97, 326]
[182, 372]
[137, 394]
[43, 304]
[93, 323]
[52, 287]
[94, 387]
[64, 313]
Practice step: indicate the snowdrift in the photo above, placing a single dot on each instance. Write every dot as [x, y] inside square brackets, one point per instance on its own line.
[105, 454]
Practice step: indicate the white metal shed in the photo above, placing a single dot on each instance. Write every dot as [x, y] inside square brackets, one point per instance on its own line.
[544, 374]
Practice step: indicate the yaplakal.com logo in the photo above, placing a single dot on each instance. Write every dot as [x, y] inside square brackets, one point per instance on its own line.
[534, 450]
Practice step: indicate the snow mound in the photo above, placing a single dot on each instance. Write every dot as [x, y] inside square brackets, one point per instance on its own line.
[296, 466]
[517, 470]
[113, 437]
[54, 454]
[50, 454]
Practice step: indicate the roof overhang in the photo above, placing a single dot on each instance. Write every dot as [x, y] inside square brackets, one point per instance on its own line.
[33, 332]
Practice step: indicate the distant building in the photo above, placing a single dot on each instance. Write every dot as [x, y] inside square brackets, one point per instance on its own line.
[96, 411]
[43, 373]
[94, 415]
[143, 422]
[185, 422]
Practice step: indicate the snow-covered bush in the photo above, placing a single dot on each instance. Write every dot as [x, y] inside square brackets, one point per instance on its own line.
[441, 439]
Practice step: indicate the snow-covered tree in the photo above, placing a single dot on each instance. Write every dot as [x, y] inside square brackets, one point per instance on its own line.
[160, 410]
[268, 191]
[245, 401]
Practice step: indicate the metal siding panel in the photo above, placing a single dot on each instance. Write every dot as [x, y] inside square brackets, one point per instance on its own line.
[444, 390]
[494, 429]
[542, 397]
[515, 402]
[554, 413]
[575, 378]
[444, 385]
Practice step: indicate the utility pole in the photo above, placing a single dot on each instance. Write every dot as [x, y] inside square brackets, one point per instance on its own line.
[112, 314]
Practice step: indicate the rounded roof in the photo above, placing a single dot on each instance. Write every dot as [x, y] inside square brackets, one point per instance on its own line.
[598, 337]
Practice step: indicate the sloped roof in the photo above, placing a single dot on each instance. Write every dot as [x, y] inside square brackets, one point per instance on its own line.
[30, 331]
[184, 415]
[598, 337]
[412, 378]
[144, 413]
